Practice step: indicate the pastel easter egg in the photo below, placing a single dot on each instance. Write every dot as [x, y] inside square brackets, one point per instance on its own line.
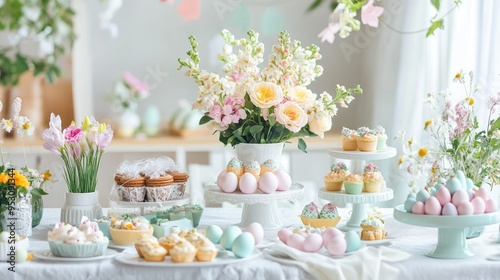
[352, 240]
[337, 246]
[227, 181]
[423, 195]
[256, 230]
[470, 184]
[471, 193]
[243, 245]
[432, 191]
[438, 185]
[449, 209]
[283, 235]
[459, 197]
[443, 195]
[442, 181]
[453, 185]
[409, 204]
[432, 206]
[483, 193]
[479, 205]
[21, 255]
[284, 180]
[490, 206]
[465, 208]
[313, 243]
[248, 183]
[412, 195]
[228, 236]
[329, 234]
[214, 233]
[418, 208]
[296, 241]
[461, 176]
[268, 183]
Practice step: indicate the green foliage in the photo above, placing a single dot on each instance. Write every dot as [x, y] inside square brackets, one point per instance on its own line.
[53, 25]
[435, 25]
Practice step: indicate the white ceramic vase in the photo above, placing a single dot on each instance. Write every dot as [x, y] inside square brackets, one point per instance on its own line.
[259, 152]
[78, 205]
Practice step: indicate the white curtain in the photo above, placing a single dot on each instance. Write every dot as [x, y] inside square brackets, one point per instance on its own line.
[403, 68]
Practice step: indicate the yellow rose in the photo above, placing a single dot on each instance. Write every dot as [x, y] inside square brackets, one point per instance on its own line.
[291, 116]
[265, 95]
[21, 180]
[303, 96]
[4, 178]
[319, 124]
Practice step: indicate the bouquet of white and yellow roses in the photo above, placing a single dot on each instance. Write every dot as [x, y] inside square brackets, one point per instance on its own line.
[270, 105]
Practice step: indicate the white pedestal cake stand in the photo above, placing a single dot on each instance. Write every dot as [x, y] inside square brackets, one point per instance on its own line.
[451, 230]
[257, 207]
[359, 158]
[143, 205]
[359, 203]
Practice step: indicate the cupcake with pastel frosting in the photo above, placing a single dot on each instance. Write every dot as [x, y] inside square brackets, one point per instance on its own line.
[372, 178]
[153, 252]
[183, 252]
[381, 138]
[253, 167]
[353, 184]
[349, 142]
[334, 180]
[206, 251]
[372, 228]
[269, 165]
[366, 139]
[235, 166]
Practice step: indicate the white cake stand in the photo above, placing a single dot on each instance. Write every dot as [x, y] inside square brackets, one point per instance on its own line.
[359, 158]
[257, 207]
[143, 205]
[359, 203]
[451, 230]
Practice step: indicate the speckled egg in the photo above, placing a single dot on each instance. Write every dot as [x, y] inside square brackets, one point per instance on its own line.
[353, 242]
[449, 210]
[284, 180]
[329, 211]
[337, 246]
[227, 181]
[479, 205]
[248, 183]
[310, 211]
[228, 236]
[268, 183]
[313, 243]
[243, 245]
[213, 233]
[296, 241]
[283, 235]
[257, 231]
[432, 206]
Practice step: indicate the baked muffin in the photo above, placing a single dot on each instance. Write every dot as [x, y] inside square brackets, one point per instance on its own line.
[366, 139]
[131, 189]
[372, 228]
[183, 252]
[168, 241]
[349, 142]
[206, 251]
[144, 239]
[334, 180]
[153, 252]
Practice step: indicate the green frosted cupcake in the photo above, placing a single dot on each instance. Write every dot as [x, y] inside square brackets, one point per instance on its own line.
[353, 184]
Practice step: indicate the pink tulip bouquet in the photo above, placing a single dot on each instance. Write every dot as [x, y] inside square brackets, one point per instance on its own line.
[81, 149]
[269, 105]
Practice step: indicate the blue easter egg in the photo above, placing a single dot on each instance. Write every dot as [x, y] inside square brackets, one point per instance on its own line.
[352, 240]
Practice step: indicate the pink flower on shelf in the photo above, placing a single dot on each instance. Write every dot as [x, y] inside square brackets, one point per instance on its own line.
[72, 134]
[135, 83]
[370, 14]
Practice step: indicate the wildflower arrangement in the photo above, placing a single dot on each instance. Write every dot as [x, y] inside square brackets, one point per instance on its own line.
[457, 141]
[128, 92]
[269, 105]
[16, 182]
[81, 149]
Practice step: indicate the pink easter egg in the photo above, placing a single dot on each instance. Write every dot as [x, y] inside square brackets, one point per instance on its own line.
[418, 208]
[471, 193]
[329, 234]
[227, 181]
[256, 230]
[491, 206]
[268, 183]
[479, 205]
[284, 180]
[296, 241]
[336, 246]
[313, 243]
[283, 235]
[432, 206]
[465, 208]
[483, 193]
[449, 209]
[459, 197]
[248, 183]
[443, 195]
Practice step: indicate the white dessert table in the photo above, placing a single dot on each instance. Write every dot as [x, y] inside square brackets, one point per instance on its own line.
[413, 239]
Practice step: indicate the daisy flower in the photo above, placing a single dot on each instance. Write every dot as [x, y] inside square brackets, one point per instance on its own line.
[6, 125]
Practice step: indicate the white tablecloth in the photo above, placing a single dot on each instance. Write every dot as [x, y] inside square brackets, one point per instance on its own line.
[412, 239]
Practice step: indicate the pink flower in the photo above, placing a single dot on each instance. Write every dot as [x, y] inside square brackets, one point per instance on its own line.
[54, 139]
[72, 134]
[135, 83]
[328, 34]
[370, 14]
[55, 122]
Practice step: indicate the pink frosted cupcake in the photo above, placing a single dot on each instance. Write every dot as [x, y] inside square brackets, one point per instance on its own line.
[349, 142]
[366, 139]
[334, 180]
[372, 178]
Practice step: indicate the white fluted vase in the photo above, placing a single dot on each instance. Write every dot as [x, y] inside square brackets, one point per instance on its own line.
[78, 205]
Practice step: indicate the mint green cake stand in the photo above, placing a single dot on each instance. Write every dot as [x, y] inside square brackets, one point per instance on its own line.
[451, 242]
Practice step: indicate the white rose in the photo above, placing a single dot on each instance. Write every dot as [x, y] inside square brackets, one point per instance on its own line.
[319, 124]
[265, 94]
[302, 95]
[291, 115]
